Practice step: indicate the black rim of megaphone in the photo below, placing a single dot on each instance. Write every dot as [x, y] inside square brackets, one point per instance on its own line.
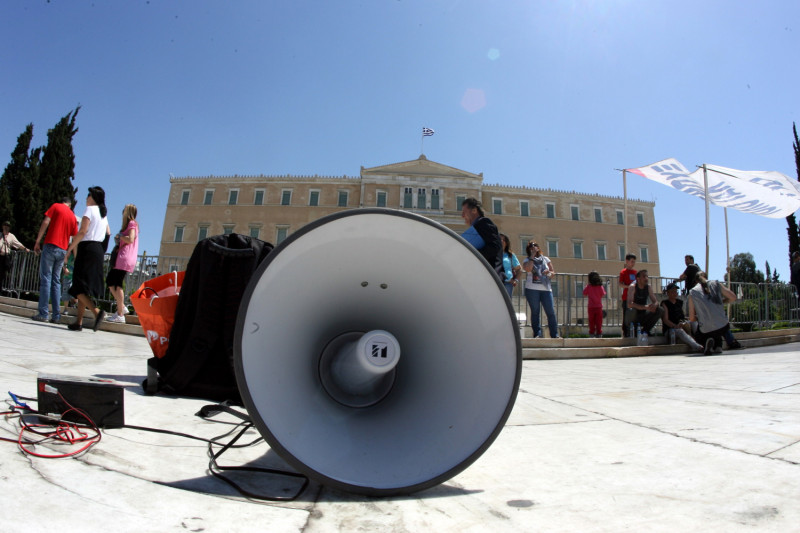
[262, 427]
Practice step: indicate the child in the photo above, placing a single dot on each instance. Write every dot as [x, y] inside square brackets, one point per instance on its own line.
[626, 276]
[123, 262]
[595, 292]
[68, 300]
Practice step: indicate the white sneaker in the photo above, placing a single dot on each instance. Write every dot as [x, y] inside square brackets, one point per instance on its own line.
[116, 319]
[125, 311]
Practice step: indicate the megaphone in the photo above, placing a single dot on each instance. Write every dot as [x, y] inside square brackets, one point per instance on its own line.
[377, 352]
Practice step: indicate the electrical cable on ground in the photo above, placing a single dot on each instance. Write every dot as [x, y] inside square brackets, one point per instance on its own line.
[87, 435]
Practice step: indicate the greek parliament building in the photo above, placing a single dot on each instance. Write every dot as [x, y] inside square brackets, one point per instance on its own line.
[579, 232]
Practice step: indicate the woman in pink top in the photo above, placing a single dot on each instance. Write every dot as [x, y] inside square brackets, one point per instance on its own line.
[124, 262]
[595, 292]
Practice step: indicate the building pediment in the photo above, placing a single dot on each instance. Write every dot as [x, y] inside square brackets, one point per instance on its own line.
[422, 167]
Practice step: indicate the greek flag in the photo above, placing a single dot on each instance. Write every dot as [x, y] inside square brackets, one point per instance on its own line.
[427, 132]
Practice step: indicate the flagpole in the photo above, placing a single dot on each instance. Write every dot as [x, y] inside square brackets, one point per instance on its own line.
[727, 261]
[625, 214]
[705, 186]
[426, 132]
[727, 249]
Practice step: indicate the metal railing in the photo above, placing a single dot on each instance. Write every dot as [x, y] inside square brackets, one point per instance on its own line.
[758, 306]
[22, 281]
[763, 305]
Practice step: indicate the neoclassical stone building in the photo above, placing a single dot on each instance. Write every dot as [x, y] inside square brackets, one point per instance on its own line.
[580, 232]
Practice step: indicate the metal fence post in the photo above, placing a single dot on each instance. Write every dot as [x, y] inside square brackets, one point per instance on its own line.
[568, 318]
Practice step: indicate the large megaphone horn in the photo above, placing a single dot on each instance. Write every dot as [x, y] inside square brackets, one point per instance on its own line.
[377, 352]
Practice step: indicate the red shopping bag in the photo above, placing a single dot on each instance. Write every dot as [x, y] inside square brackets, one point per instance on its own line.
[155, 303]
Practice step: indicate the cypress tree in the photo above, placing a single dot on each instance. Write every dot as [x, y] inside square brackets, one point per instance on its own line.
[6, 207]
[34, 179]
[13, 182]
[793, 230]
[28, 211]
[58, 161]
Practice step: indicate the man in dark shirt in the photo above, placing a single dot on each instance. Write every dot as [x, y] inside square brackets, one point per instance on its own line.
[690, 273]
[482, 234]
[643, 308]
[673, 318]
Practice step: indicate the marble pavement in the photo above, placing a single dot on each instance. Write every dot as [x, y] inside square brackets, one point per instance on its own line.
[665, 443]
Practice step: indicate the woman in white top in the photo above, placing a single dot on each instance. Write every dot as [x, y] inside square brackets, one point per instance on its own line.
[538, 291]
[87, 245]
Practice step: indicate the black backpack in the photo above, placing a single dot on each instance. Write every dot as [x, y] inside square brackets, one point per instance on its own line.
[199, 359]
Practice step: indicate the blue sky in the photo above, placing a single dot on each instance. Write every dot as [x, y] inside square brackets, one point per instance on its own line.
[568, 91]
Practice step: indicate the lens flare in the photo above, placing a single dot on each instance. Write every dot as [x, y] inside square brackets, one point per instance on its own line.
[473, 100]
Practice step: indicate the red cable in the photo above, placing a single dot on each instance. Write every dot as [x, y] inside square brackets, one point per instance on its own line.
[63, 432]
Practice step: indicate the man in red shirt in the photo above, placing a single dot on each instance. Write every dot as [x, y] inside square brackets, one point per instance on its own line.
[626, 276]
[60, 224]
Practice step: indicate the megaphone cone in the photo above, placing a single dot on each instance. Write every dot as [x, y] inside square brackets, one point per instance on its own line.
[377, 352]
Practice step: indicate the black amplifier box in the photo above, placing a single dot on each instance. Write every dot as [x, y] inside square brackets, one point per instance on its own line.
[101, 399]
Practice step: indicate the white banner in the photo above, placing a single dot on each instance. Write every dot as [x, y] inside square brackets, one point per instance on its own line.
[766, 193]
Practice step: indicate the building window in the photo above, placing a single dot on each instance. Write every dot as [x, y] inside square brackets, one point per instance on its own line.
[227, 229]
[178, 233]
[640, 219]
[460, 200]
[422, 201]
[523, 243]
[575, 212]
[497, 206]
[435, 199]
[524, 209]
[202, 233]
[552, 248]
[550, 210]
[342, 199]
[598, 214]
[621, 248]
[381, 199]
[408, 198]
[255, 231]
[185, 197]
[233, 196]
[258, 199]
[620, 217]
[286, 197]
[643, 255]
[601, 251]
[209, 197]
[313, 198]
[577, 250]
[281, 233]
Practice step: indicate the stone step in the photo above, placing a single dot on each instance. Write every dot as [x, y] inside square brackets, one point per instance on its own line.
[14, 306]
[586, 348]
[571, 348]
